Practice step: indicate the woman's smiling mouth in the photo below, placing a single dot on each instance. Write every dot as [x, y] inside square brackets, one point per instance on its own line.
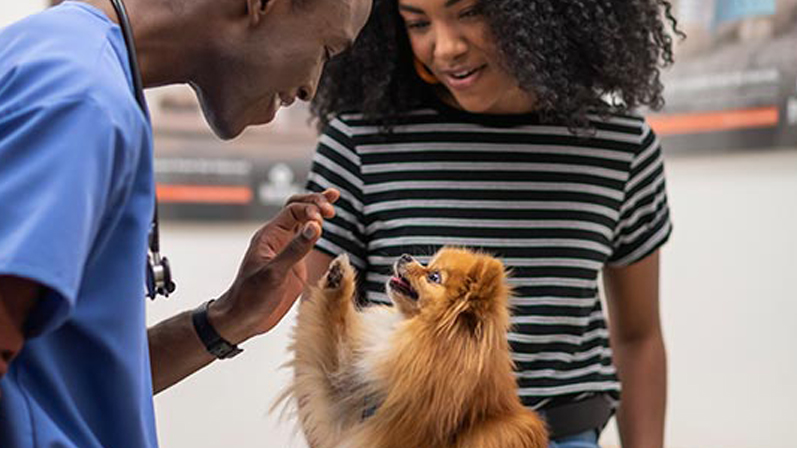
[463, 78]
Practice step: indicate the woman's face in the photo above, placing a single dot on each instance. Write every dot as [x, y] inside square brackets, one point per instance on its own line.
[452, 39]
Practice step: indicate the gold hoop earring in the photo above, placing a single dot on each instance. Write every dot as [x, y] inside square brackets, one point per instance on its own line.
[424, 73]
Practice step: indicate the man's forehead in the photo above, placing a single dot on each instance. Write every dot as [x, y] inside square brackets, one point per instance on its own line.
[361, 12]
[349, 16]
[340, 21]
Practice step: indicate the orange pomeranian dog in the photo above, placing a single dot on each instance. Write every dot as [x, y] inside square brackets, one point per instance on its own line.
[434, 371]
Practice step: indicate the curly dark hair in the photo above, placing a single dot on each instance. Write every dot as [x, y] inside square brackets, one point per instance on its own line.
[573, 54]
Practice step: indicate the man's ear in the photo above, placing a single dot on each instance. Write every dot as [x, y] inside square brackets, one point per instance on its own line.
[257, 9]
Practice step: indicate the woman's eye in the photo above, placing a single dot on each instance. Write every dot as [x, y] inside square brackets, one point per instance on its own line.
[472, 12]
[434, 277]
[417, 24]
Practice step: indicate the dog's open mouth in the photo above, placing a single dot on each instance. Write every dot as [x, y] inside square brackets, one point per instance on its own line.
[401, 285]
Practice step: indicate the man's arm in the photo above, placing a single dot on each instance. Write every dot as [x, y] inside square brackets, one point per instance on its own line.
[638, 347]
[17, 298]
[272, 275]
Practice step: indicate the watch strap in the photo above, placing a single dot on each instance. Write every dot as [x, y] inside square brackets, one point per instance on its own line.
[214, 343]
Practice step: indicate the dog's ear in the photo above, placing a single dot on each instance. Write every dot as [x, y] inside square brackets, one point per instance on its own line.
[483, 297]
[485, 292]
[486, 280]
[478, 297]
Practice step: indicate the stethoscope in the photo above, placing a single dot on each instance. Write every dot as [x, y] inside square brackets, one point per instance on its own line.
[159, 274]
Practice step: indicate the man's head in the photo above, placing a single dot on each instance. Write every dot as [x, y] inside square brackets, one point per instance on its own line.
[271, 54]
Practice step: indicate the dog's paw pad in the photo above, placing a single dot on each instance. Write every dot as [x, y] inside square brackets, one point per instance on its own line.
[337, 269]
[334, 276]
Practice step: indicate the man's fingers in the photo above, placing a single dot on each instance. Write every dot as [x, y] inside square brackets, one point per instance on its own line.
[298, 248]
[305, 213]
[295, 215]
[332, 195]
[322, 200]
[328, 195]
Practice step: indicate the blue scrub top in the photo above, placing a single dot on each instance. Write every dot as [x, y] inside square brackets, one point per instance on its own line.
[76, 200]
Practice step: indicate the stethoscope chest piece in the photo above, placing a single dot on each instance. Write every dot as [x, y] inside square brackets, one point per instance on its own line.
[159, 276]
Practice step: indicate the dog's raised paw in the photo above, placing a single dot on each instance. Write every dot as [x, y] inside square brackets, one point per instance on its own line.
[337, 270]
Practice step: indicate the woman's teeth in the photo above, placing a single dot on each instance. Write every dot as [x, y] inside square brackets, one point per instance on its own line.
[462, 75]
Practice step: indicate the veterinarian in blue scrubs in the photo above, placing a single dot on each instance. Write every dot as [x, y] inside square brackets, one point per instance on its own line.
[77, 364]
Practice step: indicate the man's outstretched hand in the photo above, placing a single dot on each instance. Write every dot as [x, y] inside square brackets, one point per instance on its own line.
[273, 273]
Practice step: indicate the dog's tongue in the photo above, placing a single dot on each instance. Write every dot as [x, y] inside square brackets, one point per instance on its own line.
[400, 281]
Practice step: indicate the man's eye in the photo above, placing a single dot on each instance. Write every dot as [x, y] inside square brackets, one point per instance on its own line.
[434, 277]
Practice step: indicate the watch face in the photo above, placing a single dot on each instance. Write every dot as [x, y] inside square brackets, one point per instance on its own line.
[224, 350]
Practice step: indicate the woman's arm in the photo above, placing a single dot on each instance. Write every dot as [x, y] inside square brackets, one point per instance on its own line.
[638, 346]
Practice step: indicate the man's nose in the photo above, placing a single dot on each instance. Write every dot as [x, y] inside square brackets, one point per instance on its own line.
[305, 93]
[308, 90]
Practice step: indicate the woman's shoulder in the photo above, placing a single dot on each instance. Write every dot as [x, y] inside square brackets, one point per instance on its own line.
[631, 120]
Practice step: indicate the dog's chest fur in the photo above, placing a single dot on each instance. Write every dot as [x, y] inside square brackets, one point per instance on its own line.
[379, 325]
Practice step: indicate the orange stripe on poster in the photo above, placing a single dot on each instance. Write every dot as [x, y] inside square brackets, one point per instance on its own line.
[704, 122]
[169, 193]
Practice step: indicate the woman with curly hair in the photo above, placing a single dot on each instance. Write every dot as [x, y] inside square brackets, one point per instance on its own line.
[509, 126]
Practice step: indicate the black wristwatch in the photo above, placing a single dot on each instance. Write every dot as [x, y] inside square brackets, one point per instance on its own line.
[214, 343]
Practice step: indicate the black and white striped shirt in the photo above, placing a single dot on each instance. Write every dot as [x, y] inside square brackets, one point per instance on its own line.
[554, 206]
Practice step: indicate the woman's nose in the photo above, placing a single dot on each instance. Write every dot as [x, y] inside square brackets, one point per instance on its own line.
[450, 44]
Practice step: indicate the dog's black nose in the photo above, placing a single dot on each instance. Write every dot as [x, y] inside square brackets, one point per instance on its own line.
[405, 258]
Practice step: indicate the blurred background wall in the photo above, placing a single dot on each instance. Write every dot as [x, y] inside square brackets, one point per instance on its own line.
[729, 286]
[13, 10]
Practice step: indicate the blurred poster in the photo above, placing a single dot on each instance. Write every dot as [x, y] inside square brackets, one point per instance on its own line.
[734, 83]
[200, 177]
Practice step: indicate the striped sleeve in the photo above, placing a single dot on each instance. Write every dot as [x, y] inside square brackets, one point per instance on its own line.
[644, 224]
[337, 164]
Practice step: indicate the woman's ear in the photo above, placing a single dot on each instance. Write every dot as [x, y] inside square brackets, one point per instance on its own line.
[257, 9]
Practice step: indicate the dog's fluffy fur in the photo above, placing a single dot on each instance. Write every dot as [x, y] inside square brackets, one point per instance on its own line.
[434, 371]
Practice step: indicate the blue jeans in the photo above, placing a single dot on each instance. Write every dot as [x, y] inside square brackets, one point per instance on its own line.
[583, 439]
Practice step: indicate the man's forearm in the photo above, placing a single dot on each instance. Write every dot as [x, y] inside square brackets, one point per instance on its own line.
[175, 351]
[11, 339]
[642, 366]
[17, 299]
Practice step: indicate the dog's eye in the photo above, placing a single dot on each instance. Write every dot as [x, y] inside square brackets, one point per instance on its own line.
[434, 277]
